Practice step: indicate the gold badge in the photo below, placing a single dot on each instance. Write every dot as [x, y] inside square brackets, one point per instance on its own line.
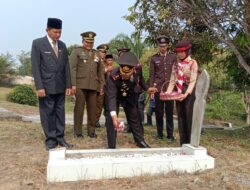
[90, 35]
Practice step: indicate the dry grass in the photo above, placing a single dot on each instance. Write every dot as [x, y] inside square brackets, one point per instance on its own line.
[24, 160]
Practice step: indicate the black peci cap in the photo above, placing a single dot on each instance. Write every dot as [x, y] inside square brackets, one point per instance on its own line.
[109, 56]
[54, 23]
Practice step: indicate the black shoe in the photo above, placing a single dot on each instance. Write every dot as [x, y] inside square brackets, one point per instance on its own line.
[143, 144]
[98, 125]
[79, 136]
[50, 147]
[92, 135]
[159, 137]
[170, 139]
[65, 144]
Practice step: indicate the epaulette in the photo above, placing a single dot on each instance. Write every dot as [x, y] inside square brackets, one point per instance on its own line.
[156, 54]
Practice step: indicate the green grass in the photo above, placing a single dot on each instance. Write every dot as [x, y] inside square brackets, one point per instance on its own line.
[227, 139]
[226, 106]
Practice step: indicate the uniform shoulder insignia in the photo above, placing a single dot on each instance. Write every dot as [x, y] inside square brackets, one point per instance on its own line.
[155, 54]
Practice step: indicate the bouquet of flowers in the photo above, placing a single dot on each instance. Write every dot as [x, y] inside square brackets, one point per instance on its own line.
[120, 127]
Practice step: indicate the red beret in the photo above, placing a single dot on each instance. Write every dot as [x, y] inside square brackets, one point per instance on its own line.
[183, 46]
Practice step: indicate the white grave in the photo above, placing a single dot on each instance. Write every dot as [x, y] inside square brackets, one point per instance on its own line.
[75, 165]
[93, 164]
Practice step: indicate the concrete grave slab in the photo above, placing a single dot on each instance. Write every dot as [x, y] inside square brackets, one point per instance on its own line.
[74, 165]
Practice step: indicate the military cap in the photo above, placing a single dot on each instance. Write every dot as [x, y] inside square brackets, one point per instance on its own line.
[103, 47]
[162, 40]
[88, 36]
[109, 56]
[54, 23]
[128, 59]
[124, 49]
[183, 46]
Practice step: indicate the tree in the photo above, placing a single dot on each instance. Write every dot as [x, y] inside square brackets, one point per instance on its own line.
[217, 23]
[7, 64]
[25, 68]
[134, 43]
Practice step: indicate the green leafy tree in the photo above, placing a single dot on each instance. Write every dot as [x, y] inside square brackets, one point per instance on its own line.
[7, 64]
[134, 43]
[209, 24]
[25, 68]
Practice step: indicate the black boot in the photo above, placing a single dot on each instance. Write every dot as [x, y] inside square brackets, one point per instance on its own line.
[142, 144]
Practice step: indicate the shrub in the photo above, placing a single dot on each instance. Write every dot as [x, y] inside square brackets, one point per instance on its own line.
[226, 105]
[23, 94]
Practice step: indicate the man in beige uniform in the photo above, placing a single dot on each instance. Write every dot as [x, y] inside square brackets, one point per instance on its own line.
[102, 50]
[86, 74]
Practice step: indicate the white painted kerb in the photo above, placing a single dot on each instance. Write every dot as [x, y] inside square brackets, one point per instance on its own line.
[74, 165]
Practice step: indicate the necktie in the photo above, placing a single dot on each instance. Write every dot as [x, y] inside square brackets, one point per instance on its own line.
[55, 48]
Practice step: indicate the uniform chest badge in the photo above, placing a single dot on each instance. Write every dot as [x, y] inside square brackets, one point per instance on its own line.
[96, 59]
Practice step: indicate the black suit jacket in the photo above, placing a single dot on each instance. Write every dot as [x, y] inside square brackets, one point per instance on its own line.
[50, 73]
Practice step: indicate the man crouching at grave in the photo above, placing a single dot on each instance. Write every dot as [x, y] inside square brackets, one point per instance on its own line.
[119, 90]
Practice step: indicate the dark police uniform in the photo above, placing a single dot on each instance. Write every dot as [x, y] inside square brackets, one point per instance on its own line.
[121, 91]
[160, 72]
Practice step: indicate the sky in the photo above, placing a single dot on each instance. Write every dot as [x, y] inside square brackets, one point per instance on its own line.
[22, 21]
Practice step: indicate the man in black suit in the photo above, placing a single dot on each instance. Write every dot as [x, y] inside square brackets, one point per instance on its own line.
[51, 72]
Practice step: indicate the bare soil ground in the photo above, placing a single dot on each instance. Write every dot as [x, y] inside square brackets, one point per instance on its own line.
[24, 161]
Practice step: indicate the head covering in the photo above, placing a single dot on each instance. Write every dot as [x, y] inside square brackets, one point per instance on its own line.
[123, 49]
[162, 40]
[54, 23]
[103, 47]
[88, 36]
[183, 46]
[128, 59]
[109, 56]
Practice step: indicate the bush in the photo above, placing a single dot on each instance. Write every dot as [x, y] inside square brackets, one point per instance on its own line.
[226, 105]
[23, 94]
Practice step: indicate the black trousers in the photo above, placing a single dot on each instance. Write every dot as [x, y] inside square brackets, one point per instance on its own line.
[131, 112]
[140, 113]
[52, 114]
[160, 107]
[185, 116]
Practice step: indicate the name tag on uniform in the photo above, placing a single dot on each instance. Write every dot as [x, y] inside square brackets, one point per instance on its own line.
[157, 61]
[47, 52]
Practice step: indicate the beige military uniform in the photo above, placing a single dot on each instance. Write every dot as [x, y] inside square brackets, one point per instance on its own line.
[87, 75]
